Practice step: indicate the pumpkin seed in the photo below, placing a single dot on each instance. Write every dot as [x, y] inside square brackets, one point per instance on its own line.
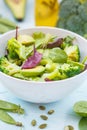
[33, 122]
[19, 124]
[42, 107]
[69, 127]
[50, 112]
[44, 117]
[42, 126]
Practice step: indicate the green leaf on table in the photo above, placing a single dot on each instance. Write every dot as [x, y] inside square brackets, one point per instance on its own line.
[83, 123]
[80, 108]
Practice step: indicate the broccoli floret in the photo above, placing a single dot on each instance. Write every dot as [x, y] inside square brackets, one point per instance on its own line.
[80, 65]
[7, 67]
[50, 76]
[68, 7]
[69, 71]
[63, 71]
[61, 23]
[16, 49]
[74, 24]
[82, 9]
[67, 41]
[85, 29]
[73, 16]
[15, 61]
[73, 53]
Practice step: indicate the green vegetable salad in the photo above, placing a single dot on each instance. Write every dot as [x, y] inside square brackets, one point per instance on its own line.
[41, 57]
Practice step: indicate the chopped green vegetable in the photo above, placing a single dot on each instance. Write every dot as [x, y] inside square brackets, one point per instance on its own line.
[67, 70]
[51, 75]
[73, 53]
[16, 49]
[7, 67]
[67, 41]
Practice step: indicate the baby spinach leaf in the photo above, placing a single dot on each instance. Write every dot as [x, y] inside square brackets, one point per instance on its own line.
[81, 108]
[58, 55]
[83, 123]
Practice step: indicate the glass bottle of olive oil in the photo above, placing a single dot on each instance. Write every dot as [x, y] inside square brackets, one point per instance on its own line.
[46, 12]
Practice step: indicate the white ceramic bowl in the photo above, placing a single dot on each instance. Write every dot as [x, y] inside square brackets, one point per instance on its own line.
[43, 92]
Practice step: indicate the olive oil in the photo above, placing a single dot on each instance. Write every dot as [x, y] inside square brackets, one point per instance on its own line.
[46, 12]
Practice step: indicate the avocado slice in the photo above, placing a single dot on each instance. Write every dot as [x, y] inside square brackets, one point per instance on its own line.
[33, 72]
[25, 39]
[17, 7]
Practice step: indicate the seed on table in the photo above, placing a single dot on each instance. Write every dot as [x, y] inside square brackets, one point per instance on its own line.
[33, 122]
[50, 112]
[44, 117]
[19, 124]
[42, 107]
[43, 126]
[69, 127]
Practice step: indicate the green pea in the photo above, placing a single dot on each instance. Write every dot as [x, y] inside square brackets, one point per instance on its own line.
[3, 28]
[11, 107]
[5, 117]
[7, 22]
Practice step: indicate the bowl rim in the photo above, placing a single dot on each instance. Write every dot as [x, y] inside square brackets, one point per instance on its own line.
[44, 82]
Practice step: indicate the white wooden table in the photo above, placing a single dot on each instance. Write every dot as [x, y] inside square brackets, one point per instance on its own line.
[63, 115]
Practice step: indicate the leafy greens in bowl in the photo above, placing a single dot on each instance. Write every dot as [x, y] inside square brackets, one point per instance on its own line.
[42, 61]
[41, 57]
